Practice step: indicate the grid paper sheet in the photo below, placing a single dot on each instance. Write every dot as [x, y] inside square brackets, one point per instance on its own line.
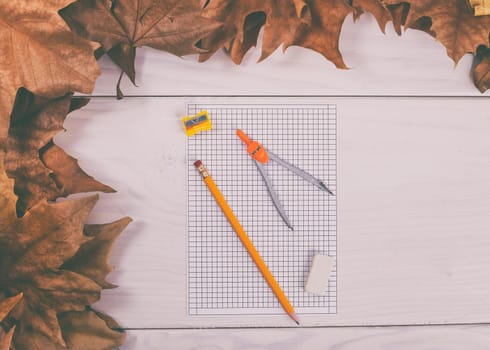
[222, 278]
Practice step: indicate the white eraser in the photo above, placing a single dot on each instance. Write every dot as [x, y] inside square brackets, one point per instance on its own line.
[319, 272]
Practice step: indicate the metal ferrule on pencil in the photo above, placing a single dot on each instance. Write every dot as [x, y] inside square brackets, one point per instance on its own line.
[201, 168]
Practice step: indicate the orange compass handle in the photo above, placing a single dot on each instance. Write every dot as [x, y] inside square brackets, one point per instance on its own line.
[254, 148]
[243, 137]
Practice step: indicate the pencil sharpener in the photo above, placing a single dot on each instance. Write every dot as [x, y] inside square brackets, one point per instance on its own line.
[194, 124]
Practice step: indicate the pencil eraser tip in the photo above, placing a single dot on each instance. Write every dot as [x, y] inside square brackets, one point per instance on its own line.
[197, 163]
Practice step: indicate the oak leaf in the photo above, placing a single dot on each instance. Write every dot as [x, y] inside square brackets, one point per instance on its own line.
[377, 8]
[323, 34]
[481, 72]
[312, 24]
[6, 306]
[41, 169]
[383, 12]
[399, 13]
[451, 22]
[39, 52]
[239, 46]
[121, 26]
[242, 21]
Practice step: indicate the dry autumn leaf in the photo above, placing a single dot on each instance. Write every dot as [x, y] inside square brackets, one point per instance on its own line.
[88, 330]
[481, 73]
[121, 26]
[82, 330]
[238, 47]
[451, 22]
[6, 339]
[91, 258]
[377, 8]
[323, 34]
[242, 21]
[383, 13]
[311, 24]
[41, 169]
[33, 250]
[39, 52]
[399, 13]
[6, 306]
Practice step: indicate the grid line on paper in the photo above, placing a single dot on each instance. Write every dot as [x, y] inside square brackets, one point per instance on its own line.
[222, 279]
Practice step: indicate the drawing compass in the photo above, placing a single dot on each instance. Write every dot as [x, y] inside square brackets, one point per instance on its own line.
[261, 156]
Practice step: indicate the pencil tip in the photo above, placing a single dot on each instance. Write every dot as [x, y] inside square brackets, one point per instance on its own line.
[294, 317]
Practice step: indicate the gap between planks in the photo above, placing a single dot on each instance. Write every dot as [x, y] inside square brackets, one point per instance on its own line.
[293, 96]
[434, 325]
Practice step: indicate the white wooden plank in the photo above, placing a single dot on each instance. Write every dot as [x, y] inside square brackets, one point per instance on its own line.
[413, 64]
[413, 203]
[476, 337]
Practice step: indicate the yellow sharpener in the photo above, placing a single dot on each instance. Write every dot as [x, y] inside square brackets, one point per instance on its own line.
[194, 124]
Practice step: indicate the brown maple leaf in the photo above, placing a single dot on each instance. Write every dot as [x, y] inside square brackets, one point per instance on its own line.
[33, 251]
[39, 52]
[242, 21]
[6, 306]
[481, 72]
[82, 330]
[312, 24]
[383, 13]
[377, 8]
[91, 259]
[399, 13]
[323, 34]
[87, 329]
[451, 22]
[41, 169]
[92, 329]
[239, 46]
[121, 26]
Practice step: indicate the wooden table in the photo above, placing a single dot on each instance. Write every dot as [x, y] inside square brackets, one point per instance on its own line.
[413, 193]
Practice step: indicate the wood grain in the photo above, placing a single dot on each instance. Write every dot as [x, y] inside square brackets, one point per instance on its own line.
[475, 337]
[414, 195]
[413, 203]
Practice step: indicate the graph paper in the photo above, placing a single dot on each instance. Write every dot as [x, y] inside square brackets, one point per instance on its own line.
[222, 278]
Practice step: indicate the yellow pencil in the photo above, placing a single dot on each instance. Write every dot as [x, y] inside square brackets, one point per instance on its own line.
[271, 281]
